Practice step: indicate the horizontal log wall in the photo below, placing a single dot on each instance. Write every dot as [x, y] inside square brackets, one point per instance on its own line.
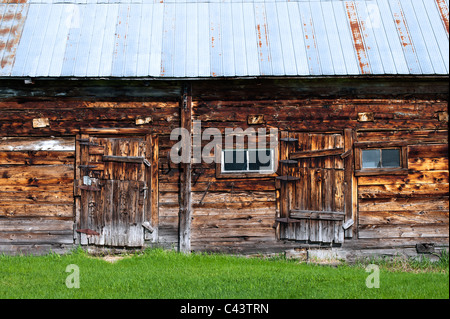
[237, 214]
[230, 214]
[413, 207]
[37, 174]
[36, 193]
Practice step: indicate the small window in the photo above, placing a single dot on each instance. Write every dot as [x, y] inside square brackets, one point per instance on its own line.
[380, 158]
[247, 161]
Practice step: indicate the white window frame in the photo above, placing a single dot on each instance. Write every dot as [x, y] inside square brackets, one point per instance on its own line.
[247, 171]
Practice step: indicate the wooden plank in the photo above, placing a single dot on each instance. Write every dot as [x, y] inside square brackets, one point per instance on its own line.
[424, 177]
[116, 131]
[314, 230]
[36, 157]
[350, 188]
[284, 110]
[13, 173]
[287, 220]
[313, 192]
[35, 224]
[135, 209]
[429, 150]
[184, 243]
[338, 232]
[36, 196]
[402, 231]
[287, 178]
[246, 209]
[423, 136]
[402, 204]
[225, 186]
[411, 217]
[124, 159]
[281, 230]
[34, 249]
[381, 144]
[37, 237]
[97, 150]
[97, 218]
[76, 190]
[428, 164]
[299, 212]
[318, 216]
[221, 197]
[395, 243]
[37, 144]
[316, 153]
[403, 190]
[34, 182]
[328, 231]
[217, 234]
[154, 186]
[381, 171]
[199, 223]
[399, 143]
[82, 104]
[108, 212]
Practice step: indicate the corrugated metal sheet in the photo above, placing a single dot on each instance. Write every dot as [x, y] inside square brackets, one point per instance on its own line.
[222, 38]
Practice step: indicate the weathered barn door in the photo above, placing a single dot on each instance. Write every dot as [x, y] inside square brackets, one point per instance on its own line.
[312, 187]
[116, 188]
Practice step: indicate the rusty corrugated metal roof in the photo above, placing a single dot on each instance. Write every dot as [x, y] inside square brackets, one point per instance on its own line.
[222, 38]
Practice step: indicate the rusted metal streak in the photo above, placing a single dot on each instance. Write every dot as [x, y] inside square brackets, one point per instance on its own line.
[405, 37]
[358, 41]
[12, 23]
[443, 11]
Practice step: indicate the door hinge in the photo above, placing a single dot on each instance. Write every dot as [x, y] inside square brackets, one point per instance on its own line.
[147, 226]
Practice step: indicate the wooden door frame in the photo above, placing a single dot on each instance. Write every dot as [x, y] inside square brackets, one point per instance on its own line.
[350, 187]
[351, 184]
[151, 215]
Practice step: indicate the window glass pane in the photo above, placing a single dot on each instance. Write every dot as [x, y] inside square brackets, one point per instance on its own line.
[390, 158]
[234, 160]
[259, 160]
[371, 158]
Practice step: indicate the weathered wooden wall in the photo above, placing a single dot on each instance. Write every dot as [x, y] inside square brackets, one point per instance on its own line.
[36, 175]
[413, 207]
[238, 214]
[36, 193]
[229, 214]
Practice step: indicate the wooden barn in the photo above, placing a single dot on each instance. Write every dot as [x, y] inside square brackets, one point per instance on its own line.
[352, 95]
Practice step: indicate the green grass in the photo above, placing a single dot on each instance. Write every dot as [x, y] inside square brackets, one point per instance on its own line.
[159, 274]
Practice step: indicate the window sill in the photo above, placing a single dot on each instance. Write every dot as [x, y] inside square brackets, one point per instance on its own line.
[220, 174]
[381, 171]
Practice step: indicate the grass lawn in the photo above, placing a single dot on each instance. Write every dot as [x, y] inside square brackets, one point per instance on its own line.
[158, 274]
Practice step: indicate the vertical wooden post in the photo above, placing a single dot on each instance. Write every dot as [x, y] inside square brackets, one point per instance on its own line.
[184, 218]
[152, 212]
[77, 191]
[350, 184]
[155, 186]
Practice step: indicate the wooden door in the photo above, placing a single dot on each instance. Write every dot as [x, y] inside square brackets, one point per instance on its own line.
[116, 190]
[311, 183]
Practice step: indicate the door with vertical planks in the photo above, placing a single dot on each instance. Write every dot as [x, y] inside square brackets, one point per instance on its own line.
[312, 187]
[115, 189]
